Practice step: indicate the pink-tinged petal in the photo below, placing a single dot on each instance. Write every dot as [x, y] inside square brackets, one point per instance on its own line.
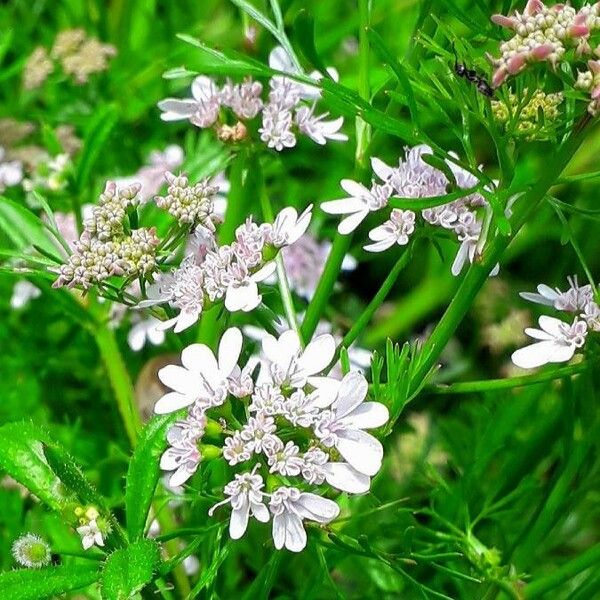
[343, 477]
[239, 520]
[361, 450]
[229, 350]
[179, 379]
[295, 536]
[317, 355]
[350, 223]
[367, 415]
[171, 402]
[516, 63]
[279, 525]
[579, 31]
[504, 21]
[199, 358]
[534, 355]
[352, 392]
[595, 92]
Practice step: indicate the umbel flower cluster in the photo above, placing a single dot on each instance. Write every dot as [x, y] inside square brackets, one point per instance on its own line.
[533, 118]
[558, 340]
[288, 110]
[79, 56]
[412, 178]
[283, 436]
[543, 33]
[105, 248]
[229, 273]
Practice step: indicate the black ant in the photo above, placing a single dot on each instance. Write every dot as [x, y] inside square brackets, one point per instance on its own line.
[483, 87]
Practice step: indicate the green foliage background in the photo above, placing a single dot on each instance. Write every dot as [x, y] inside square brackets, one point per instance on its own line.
[489, 489]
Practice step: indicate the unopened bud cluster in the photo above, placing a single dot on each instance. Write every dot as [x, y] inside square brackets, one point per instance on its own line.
[590, 81]
[543, 33]
[105, 248]
[189, 204]
[79, 56]
[528, 119]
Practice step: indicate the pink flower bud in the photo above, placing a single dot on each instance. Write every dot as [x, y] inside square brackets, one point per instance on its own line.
[503, 21]
[542, 52]
[516, 64]
[594, 66]
[499, 76]
[596, 92]
[533, 7]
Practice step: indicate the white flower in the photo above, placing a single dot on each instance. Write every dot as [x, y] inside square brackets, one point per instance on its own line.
[257, 429]
[243, 98]
[357, 206]
[182, 289]
[285, 460]
[202, 110]
[236, 449]
[245, 497]
[145, 331]
[396, 230]
[202, 378]
[90, 535]
[22, 293]
[317, 128]
[11, 171]
[242, 292]
[591, 315]
[559, 341]
[267, 399]
[288, 227]
[276, 130]
[342, 426]
[290, 507]
[289, 364]
[573, 300]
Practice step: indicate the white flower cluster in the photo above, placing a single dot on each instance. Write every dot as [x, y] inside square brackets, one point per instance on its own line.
[543, 33]
[11, 171]
[189, 204]
[412, 178]
[590, 81]
[292, 422]
[229, 273]
[558, 340]
[286, 110]
[105, 248]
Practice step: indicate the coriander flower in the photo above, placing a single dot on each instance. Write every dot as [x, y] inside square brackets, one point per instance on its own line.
[242, 290]
[558, 343]
[357, 206]
[143, 331]
[574, 299]
[288, 227]
[342, 426]
[245, 496]
[290, 507]
[317, 128]
[203, 378]
[396, 230]
[201, 110]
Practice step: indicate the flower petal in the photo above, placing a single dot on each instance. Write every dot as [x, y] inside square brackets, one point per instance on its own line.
[353, 390]
[361, 450]
[295, 536]
[239, 520]
[367, 415]
[315, 508]
[171, 402]
[317, 354]
[350, 223]
[179, 379]
[229, 350]
[347, 479]
[279, 523]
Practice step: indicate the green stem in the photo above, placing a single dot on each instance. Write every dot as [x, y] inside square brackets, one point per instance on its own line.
[584, 561]
[119, 380]
[479, 272]
[341, 243]
[489, 385]
[376, 302]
